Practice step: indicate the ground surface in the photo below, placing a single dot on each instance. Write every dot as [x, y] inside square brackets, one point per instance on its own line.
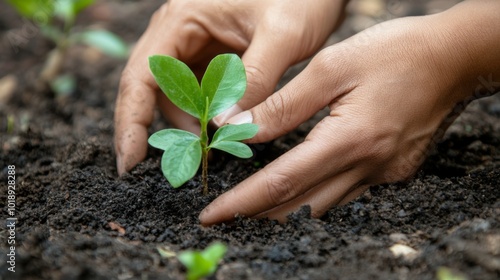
[78, 220]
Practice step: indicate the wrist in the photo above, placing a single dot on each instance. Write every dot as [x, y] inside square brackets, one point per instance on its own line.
[468, 42]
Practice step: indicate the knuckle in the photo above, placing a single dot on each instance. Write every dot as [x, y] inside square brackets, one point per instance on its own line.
[134, 91]
[257, 82]
[127, 82]
[275, 104]
[179, 13]
[275, 110]
[275, 25]
[330, 61]
[284, 32]
[280, 188]
[375, 144]
[380, 150]
[323, 61]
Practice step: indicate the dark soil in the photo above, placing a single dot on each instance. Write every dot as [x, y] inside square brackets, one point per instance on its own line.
[78, 220]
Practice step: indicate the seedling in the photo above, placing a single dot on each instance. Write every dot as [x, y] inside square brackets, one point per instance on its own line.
[223, 85]
[56, 19]
[204, 263]
[445, 273]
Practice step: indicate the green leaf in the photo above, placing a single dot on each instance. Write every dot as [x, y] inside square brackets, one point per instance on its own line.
[51, 32]
[80, 5]
[69, 9]
[215, 253]
[196, 265]
[63, 85]
[179, 83]
[233, 132]
[33, 8]
[64, 10]
[180, 163]
[201, 264]
[225, 137]
[444, 273]
[235, 148]
[165, 138]
[182, 155]
[224, 83]
[107, 42]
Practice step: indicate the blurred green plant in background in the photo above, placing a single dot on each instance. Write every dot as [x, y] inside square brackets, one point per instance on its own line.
[56, 19]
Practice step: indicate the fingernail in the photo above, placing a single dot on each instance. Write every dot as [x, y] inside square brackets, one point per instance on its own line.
[203, 216]
[241, 118]
[222, 118]
[119, 165]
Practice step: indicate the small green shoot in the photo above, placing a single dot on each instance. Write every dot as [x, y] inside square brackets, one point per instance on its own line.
[56, 19]
[444, 273]
[204, 263]
[46, 13]
[63, 85]
[223, 85]
[11, 123]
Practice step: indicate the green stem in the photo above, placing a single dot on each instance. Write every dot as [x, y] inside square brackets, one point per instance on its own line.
[55, 59]
[204, 149]
[63, 42]
[204, 175]
[204, 157]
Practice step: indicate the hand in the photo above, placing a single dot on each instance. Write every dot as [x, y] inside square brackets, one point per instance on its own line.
[270, 35]
[389, 90]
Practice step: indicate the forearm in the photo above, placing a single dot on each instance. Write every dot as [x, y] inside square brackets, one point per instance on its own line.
[471, 33]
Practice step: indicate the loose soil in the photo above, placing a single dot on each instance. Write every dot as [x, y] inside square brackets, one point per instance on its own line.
[78, 220]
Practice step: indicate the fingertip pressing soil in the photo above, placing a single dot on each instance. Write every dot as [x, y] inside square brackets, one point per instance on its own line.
[78, 220]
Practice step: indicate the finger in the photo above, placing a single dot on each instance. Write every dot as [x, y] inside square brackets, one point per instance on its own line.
[320, 198]
[276, 46]
[280, 182]
[133, 114]
[136, 99]
[301, 98]
[353, 194]
[266, 60]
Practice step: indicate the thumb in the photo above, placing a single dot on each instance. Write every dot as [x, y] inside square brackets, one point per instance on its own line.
[312, 90]
[266, 60]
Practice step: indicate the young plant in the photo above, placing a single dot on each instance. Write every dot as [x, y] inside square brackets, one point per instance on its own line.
[445, 273]
[56, 19]
[222, 86]
[204, 263]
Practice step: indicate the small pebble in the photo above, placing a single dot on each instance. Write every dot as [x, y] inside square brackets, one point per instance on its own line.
[398, 237]
[404, 251]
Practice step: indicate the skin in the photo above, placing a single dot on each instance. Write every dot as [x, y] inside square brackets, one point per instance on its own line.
[392, 90]
[195, 31]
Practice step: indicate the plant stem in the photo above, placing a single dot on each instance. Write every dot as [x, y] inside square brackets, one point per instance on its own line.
[55, 59]
[204, 171]
[204, 156]
[204, 149]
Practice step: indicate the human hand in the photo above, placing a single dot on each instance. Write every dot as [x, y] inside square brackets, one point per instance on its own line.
[390, 90]
[270, 35]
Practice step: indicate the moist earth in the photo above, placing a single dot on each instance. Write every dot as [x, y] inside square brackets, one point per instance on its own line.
[76, 219]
